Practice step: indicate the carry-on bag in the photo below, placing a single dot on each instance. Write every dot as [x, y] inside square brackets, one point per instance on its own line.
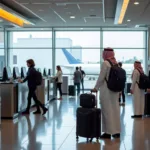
[147, 104]
[87, 100]
[72, 90]
[88, 123]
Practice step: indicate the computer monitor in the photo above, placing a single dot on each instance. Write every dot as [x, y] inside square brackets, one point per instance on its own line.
[16, 73]
[45, 72]
[49, 72]
[23, 72]
[39, 69]
[7, 75]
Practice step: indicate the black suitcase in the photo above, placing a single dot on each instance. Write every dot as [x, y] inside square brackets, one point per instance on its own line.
[88, 123]
[147, 104]
[72, 90]
[87, 100]
[128, 88]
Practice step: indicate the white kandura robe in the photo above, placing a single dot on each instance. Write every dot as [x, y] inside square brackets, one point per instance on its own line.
[109, 102]
[138, 95]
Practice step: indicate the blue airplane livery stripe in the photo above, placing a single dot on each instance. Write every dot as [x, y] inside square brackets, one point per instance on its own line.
[70, 58]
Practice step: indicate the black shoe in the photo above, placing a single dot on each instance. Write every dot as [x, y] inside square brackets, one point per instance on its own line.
[37, 112]
[44, 111]
[116, 135]
[105, 136]
[26, 112]
[136, 116]
[139, 116]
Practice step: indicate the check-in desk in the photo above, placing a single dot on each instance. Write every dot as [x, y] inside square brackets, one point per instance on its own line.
[43, 92]
[13, 99]
[52, 89]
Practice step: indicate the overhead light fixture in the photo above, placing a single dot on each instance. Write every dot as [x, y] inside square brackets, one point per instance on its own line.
[72, 17]
[128, 20]
[122, 6]
[13, 18]
[81, 28]
[136, 3]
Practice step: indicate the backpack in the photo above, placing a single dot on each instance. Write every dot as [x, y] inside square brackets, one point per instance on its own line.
[38, 78]
[117, 78]
[144, 81]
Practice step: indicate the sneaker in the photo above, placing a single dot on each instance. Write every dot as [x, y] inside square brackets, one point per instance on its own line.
[44, 111]
[37, 112]
[105, 136]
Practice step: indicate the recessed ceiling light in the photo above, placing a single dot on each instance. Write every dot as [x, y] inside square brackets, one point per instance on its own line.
[81, 28]
[72, 17]
[136, 3]
[128, 20]
[41, 10]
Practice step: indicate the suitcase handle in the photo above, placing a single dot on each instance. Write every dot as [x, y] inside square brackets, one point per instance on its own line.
[95, 96]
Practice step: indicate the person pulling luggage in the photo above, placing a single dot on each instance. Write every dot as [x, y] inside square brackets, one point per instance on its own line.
[109, 98]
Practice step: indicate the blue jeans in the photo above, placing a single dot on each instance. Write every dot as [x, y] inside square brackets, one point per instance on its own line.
[78, 87]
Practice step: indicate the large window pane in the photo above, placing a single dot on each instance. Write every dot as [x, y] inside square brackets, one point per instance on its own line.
[31, 39]
[124, 39]
[2, 56]
[77, 39]
[42, 57]
[27, 45]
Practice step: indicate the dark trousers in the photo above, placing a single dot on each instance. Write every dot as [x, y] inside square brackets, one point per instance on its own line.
[59, 88]
[31, 95]
[123, 97]
[82, 83]
[78, 87]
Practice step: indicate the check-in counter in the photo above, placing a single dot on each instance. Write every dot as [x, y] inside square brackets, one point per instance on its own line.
[52, 89]
[13, 99]
[43, 92]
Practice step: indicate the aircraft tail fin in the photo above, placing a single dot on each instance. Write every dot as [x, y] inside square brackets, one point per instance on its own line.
[70, 58]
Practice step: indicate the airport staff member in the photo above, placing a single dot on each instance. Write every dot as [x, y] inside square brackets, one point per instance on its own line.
[108, 99]
[32, 88]
[138, 94]
[59, 81]
[82, 79]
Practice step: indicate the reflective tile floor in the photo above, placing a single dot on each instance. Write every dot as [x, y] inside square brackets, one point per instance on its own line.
[56, 131]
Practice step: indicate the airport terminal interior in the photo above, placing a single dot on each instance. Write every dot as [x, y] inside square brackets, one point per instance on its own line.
[68, 33]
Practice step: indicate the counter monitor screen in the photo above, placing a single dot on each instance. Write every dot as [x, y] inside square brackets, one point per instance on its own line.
[44, 72]
[39, 69]
[7, 74]
[23, 72]
[49, 72]
[16, 73]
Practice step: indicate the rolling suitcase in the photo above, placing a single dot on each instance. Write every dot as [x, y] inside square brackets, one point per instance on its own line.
[147, 104]
[128, 88]
[88, 123]
[87, 100]
[72, 90]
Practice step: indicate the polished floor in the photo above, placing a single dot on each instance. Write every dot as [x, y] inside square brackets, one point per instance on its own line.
[56, 131]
